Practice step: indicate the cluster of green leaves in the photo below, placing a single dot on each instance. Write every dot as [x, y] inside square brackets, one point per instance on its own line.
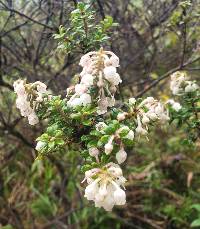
[189, 115]
[65, 125]
[84, 32]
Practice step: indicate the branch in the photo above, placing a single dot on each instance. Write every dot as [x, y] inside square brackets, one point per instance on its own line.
[164, 76]
[27, 17]
[101, 9]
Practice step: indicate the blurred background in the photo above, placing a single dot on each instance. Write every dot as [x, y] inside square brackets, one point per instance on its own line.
[153, 39]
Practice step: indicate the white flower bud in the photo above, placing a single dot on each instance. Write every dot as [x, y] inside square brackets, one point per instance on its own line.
[114, 61]
[132, 101]
[87, 79]
[108, 148]
[41, 87]
[85, 99]
[75, 102]
[120, 196]
[19, 87]
[80, 89]
[40, 145]
[93, 151]
[39, 99]
[175, 105]
[121, 116]
[145, 119]
[100, 126]
[85, 60]
[112, 76]
[121, 156]
[91, 190]
[100, 83]
[191, 87]
[109, 71]
[130, 135]
[33, 119]
[141, 130]
[152, 115]
[113, 89]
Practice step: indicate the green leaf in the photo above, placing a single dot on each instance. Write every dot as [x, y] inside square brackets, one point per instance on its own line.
[196, 206]
[87, 122]
[110, 129]
[104, 139]
[92, 143]
[85, 138]
[196, 223]
[51, 145]
[95, 133]
[59, 142]
[85, 168]
[124, 132]
[127, 142]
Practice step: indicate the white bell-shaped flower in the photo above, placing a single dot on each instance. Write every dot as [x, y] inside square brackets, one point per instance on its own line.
[121, 156]
[87, 79]
[40, 145]
[108, 148]
[33, 119]
[93, 151]
[119, 196]
[130, 135]
[80, 89]
[85, 99]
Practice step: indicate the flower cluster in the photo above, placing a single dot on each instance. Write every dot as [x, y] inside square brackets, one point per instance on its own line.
[113, 142]
[179, 84]
[145, 112]
[186, 113]
[28, 98]
[104, 186]
[99, 81]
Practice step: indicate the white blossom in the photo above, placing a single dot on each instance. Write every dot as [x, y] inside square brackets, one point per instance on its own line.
[121, 116]
[108, 148]
[132, 101]
[114, 61]
[175, 105]
[33, 119]
[87, 79]
[145, 119]
[109, 71]
[41, 87]
[85, 60]
[191, 86]
[28, 98]
[130, 135]
[177, 80]
[121, 156]
[80, 89]
[19, 87]
[85, 99]
[40, 145]
[104, 186]
[100, 126]
[119, 196]
[93, 151]
[74, 102]
[140, 129]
